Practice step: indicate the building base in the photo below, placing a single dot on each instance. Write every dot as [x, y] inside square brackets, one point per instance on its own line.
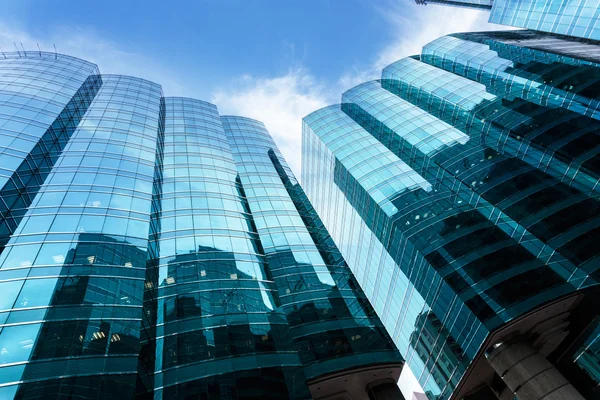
[371, 383]
[530, 358]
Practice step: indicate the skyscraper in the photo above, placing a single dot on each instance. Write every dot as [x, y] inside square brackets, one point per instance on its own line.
[580, 18]
[152, 248]
[462, 190]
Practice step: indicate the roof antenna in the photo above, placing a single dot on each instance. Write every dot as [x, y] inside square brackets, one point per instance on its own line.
[24, 52]
[40, 50]
[55, 55]
[2, 51]
[15, 43]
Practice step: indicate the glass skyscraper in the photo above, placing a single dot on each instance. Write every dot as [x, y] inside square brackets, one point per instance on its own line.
[462, 188]
[577, 18]
[151, 248]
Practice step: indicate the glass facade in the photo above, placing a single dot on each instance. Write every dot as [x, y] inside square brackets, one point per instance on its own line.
[74, 267]
[580, 18]
[154, 249]
[217, 310]
[575, 18]
[332, 324]
[462, 189]
[42, 99]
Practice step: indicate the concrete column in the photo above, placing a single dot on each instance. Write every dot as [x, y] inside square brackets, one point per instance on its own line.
[528, 374]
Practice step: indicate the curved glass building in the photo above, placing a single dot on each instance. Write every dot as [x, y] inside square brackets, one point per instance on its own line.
[462, 189]
[332, 324]
[43, 99]
[152, 249]
[575, 18]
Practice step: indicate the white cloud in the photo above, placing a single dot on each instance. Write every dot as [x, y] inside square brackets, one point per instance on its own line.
[424, 24]
[412, 26]
[280, 103]
[89, 45]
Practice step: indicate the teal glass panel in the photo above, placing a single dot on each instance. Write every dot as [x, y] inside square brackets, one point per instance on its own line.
[577, 18]
[42, 99]
[462, 190]
[80, 253]
[333, 325]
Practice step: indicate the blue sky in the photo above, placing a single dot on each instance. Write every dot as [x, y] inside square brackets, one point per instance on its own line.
[273, 60]
[212, 41]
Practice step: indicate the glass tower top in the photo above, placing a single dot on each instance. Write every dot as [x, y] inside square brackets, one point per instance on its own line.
[151, 248]
[577, 18]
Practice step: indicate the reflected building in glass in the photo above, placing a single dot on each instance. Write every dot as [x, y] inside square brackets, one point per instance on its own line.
[576, 18]
[154, 249]
[462, 190]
